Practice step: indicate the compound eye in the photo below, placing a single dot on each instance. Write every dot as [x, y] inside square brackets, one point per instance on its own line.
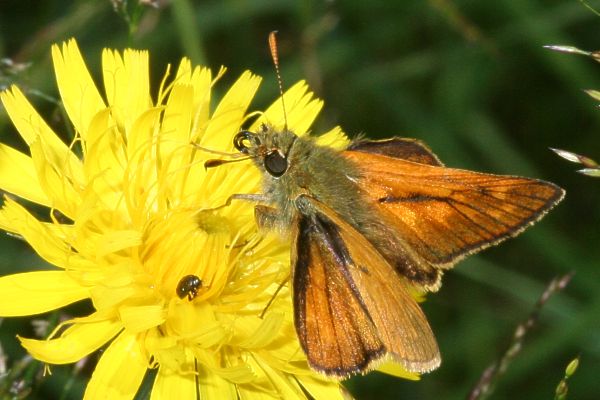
[275, 164]
[244, 140]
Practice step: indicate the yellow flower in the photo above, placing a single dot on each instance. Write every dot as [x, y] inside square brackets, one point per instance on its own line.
[177, 283]
[129, 218]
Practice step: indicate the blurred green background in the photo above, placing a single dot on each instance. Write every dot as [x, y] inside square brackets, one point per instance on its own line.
[470, 78]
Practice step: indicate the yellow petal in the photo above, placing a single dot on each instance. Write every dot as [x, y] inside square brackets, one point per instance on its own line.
[105, 160]
[32, 293]
[321, 388]
[43, 240]
[119, 372]
[234, 372]
[18, 176]
[116, 240]
[212, 386]
[56, 179]
[76, 342]
[335, 138]
[237, 374]
[58, 230]
[177, 120]
[140, 135]
[33, 128]
[77, 89]
[141, 318]
[229, 114]
[168, 385]
[300, 106]
[249, 392]
[395, 369]
[200, 79]
[106, 296]
[127, 85]
[258, 333]
[276, 383]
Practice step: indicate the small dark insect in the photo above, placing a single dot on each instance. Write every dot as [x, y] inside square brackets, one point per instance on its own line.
[189, 286]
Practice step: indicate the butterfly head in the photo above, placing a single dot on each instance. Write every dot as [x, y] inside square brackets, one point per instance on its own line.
[268, 147]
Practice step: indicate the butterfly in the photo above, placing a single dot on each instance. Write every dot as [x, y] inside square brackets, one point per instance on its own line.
[371, 228]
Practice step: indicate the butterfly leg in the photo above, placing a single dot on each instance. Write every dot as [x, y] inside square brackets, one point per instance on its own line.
[254, 198]
[281, 285]
[267, 218]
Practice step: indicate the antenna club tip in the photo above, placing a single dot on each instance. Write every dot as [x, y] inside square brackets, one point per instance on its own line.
[273, 44]
[275, 57]
[212, 163]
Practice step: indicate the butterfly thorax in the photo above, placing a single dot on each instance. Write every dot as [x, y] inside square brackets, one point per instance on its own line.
[318, 171]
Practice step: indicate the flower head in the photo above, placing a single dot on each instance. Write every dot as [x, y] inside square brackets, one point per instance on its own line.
[134, 224]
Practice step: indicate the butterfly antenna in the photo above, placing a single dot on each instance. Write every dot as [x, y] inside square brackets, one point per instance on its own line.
[218, 162]
[275, 57]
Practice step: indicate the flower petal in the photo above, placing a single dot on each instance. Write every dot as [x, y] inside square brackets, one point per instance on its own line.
[140, 136]
[55, 178]
[200, 80]
[300, 107]
[321, 388]
[33, 128]
[85, 336]
[395, 369]
[116, 240]
[45, 242]
[257, 333]
[105, 160]
[119, 372]
[272, 383]
[169, 385]
[32, 293]
[141, 318]
[177, 121]
[335, 138]
[127, 85]
[212, 386]
[77, 88]
[18, 176]
[229, 114]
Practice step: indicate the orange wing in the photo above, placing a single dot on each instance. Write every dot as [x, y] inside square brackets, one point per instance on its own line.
[444, 213]
[407, 149]
[351, 307]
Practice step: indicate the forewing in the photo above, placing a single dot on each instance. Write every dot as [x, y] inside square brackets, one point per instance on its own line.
[407, 149]
[446, 213]
[351, 307]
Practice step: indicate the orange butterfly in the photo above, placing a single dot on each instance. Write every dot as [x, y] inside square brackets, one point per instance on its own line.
[371, 226]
